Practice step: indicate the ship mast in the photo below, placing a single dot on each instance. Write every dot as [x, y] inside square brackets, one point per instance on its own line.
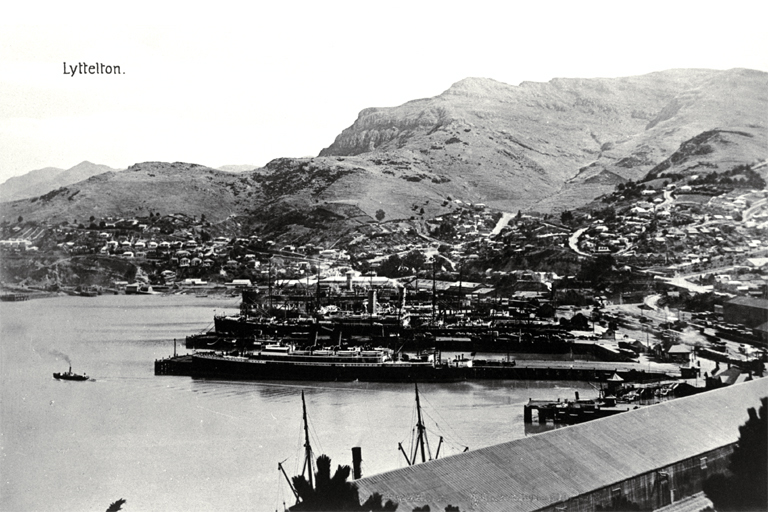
[422, 443]
[308, 456]
[307, 446]
[422, 431]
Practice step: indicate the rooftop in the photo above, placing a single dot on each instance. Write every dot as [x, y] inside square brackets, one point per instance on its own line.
[750, 301]
[542, 470]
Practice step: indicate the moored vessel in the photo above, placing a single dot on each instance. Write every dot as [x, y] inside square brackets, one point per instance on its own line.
[284, 362]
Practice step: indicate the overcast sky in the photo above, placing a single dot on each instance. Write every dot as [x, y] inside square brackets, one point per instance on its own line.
[242, 85]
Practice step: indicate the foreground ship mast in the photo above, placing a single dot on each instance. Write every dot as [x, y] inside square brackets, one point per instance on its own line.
[422, 442]
[307, 468]
[307, 447]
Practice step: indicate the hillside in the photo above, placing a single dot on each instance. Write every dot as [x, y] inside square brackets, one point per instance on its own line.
[29, 184]
[556, 145]
[140, 189]
[732, 105]
[537, 146]
[42, 181]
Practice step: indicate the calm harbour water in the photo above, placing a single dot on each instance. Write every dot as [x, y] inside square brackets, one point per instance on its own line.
[174, 443]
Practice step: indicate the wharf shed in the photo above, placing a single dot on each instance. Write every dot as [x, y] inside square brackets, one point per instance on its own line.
[748, 311]
[651, 456]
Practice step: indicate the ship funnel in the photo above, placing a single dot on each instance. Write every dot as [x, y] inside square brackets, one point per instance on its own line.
[350, 274]
[357, 459]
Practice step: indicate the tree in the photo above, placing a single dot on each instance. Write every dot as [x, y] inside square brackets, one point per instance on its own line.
[579, 322]
[392, 266]
[545, 311]
[333, 493]
[446, 230]
[21, 219]
[598, 271]
[566, 217]
[415, 260]
[746, 487]
[380, 215]
[116, 505]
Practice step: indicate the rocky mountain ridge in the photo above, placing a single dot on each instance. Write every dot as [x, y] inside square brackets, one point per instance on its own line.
[556, 140]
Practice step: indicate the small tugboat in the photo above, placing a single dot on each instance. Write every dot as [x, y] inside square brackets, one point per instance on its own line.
[69, 375]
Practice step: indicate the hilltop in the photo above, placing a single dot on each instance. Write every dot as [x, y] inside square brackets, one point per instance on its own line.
[41, 181]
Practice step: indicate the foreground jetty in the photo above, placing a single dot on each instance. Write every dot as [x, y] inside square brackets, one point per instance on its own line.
[569, 412]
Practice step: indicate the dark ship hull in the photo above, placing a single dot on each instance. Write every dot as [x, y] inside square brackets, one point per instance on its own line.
[69, 376]
[333, 369]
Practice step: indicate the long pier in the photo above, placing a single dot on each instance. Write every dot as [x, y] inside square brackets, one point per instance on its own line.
[592, 371]
[174, 365]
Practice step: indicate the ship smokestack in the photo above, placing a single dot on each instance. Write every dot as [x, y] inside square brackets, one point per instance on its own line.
[357, 459]
[350, 274]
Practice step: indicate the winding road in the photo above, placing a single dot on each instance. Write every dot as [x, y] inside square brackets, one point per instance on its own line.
[503, 221]
[573, 242]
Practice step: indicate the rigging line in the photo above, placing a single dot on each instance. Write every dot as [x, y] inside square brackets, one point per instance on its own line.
[280, 495]
[299, 448]
[450, 442]
[413, 414]
[315, 437]
[454, 433]
[412, 444]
